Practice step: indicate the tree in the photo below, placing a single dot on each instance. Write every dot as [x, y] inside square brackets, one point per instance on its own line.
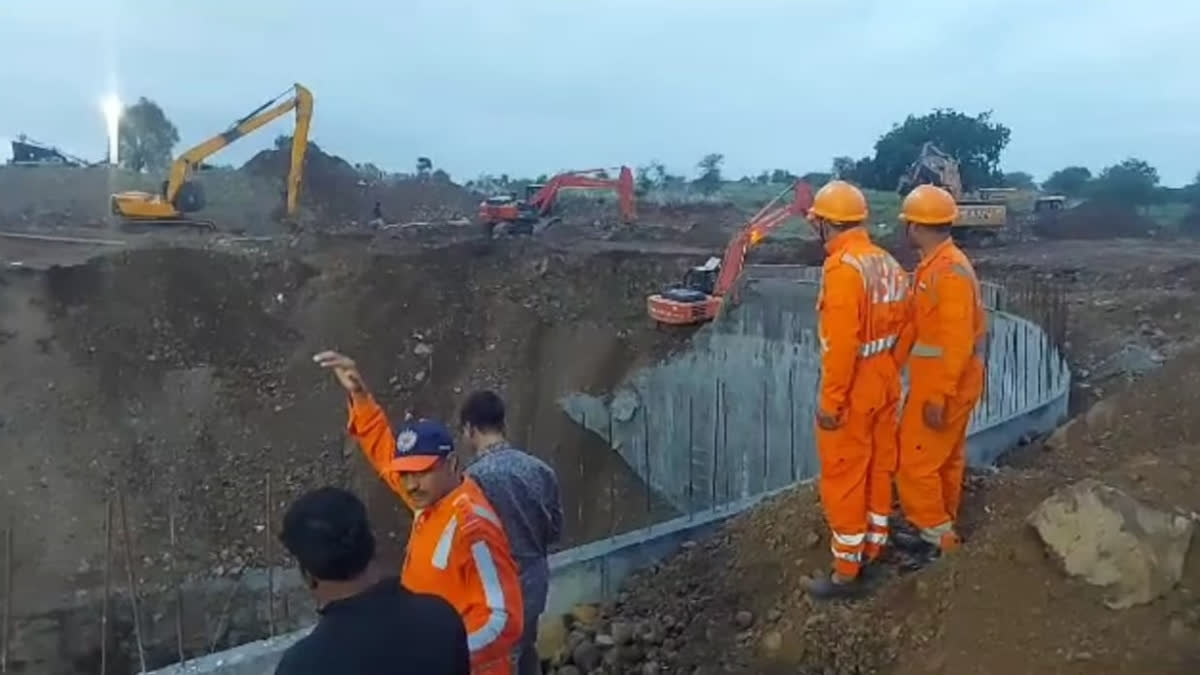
[1132, 181]
[1191, 193]
[842, 167]
[816, 178]
[440, 176]
[1070, 181]
[763, 178]
[709, 180]
[1022, 180]
[862, 172]
[424, 167]
[145, 137]
[368, 171]
[782, 177]
[974, 141]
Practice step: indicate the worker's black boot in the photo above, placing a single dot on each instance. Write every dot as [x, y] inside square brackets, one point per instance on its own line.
[833, 588]
[908, 542]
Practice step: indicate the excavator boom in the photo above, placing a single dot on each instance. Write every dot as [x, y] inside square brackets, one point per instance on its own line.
[700, 297]
[541, 202]
[171, 202]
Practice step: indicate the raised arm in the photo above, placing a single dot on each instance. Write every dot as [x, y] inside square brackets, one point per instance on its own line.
[368, 423]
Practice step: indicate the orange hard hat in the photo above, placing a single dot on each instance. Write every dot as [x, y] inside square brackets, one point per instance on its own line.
[929, 205]
[840, 202]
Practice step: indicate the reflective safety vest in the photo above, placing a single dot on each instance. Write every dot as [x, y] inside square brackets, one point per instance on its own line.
[949, 321]
[457, 550]
[862, 307]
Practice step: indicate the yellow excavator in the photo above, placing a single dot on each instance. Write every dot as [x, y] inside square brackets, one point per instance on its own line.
[180, 196]
[983, 216]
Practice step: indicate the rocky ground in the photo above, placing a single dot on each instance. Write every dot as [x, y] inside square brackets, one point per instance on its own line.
[182, 376]
[175, 365]
[734, 602]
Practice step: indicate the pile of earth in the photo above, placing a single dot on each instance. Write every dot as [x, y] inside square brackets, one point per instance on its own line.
[735, 602]
[339, 193]
[1094, 220]
[185, 378]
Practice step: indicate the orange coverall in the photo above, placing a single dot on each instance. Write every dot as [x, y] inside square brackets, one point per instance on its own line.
[861, 309]
[457, 550]
[944, 345]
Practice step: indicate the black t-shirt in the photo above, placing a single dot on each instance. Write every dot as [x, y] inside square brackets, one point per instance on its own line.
[385, 630]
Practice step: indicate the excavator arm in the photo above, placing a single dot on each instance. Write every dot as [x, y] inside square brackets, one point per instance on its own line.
[301, 100]
[179, 196]
[767, 219]
[543, 200]
[700, 297]
[933, 166]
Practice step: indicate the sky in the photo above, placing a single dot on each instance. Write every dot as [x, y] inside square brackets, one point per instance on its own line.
[526, 87]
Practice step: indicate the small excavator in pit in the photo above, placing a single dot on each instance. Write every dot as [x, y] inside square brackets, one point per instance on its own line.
[180, 196]
[705, 287]
[505, 214]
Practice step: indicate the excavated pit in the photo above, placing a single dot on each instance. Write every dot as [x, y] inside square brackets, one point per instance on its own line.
[179, 379]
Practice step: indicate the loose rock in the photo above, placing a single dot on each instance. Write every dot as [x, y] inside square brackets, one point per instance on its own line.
[1114, 541]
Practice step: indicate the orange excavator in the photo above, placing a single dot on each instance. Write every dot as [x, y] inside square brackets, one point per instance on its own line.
[704, 287]
[527, 216]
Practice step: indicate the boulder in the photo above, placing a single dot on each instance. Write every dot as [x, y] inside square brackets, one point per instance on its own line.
[1112, 540]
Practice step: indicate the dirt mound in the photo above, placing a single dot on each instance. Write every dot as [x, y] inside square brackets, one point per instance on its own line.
[184, 376]
[735, 603]
[1095, 220]
[335, 190]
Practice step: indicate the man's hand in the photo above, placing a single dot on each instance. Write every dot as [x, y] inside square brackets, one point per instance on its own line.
[933, 415]
[344, 369]
[828, 421]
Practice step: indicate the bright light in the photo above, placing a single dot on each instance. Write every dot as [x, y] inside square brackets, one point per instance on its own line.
[110, 107]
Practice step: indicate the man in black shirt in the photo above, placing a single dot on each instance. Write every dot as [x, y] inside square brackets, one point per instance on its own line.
[367, 626]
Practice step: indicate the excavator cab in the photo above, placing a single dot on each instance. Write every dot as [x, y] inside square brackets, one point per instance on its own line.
[698, 282]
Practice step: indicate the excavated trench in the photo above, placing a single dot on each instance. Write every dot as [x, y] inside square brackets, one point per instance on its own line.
[178, 380]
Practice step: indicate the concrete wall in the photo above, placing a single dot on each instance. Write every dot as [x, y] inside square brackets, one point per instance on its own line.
[732, 416]
[725, 425]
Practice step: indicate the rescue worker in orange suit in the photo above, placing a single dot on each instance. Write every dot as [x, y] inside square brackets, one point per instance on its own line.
[457, 548]
[944, 346]
[861, 310]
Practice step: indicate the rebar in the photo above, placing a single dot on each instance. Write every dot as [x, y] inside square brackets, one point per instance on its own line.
[8, 589]
[127, 541]
[107, 586]
[267, 553]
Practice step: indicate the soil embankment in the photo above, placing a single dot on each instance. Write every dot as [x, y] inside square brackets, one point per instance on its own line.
[183, 377]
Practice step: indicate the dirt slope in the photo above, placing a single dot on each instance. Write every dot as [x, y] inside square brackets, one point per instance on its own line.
[184, 376]
[734, 603]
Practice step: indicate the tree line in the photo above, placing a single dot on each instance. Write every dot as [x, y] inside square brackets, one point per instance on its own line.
[146, 139]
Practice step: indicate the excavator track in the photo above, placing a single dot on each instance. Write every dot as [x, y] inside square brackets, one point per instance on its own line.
[206, 225]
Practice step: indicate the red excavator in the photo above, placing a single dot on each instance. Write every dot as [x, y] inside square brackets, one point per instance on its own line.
[705, 286]
[525, 216]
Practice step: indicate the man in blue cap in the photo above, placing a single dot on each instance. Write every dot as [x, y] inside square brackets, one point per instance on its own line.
[457, 548]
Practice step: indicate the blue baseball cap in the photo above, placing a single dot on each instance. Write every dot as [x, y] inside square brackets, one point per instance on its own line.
[420, 444]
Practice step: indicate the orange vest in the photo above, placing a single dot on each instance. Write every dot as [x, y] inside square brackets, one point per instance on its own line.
[457, 550]
[948, 331]
[861, 309]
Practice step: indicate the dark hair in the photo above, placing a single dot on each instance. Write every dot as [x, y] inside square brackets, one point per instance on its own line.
[328, 533]
[483, 410]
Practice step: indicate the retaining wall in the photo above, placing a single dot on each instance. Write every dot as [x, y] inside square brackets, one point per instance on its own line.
[727, 424]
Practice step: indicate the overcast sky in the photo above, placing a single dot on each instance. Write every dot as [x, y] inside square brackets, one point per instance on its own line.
[533, 86]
